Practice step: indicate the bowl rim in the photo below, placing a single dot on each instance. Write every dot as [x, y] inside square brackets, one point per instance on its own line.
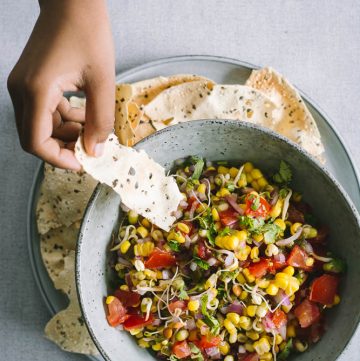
[268, 132]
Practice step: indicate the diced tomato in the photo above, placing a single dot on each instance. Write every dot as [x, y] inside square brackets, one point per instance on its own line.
[190, 202]
[160, 259]
[259, 269]
[202, 251]
[128, 298]
[307, 313]
[177, 304]
[297, 258]
[137, 321]
[208, 341]
[181, 349]
[256, 210]
[294, 215]
[249, 357]
[324, 289]
[275, 265]
[228, 217]
[279, 318]
[116, 313]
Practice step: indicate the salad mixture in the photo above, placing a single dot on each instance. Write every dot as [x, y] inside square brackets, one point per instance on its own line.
[244, 274]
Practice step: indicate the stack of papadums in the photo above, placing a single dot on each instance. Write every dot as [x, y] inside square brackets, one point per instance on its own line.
[142, 108]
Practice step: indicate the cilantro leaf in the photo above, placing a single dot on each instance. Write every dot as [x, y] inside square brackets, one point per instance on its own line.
[230, 187]
[174, 246]
[183, 295]
[210, 320]
[207, 222]
[198, 167]
[271, 232]
[201, 263]
[284, 175]
[252, 224]
[224, 232]
[284, 354]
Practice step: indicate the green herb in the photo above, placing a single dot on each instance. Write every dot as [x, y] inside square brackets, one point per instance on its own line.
[195, 353]
[225, 232]
[336, 265]
[255, 202]
[174, 246]
[221, 292]
[210, 320]
[271, 232]
[201, 263]
[252, 224]
[207, 222]
[172, 357]
[284, 354]
[198, 167]
[230, 187]
[284, 175]
[283, 192]
[183, 295]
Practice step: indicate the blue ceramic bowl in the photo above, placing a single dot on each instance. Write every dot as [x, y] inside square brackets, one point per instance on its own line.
[223, 140]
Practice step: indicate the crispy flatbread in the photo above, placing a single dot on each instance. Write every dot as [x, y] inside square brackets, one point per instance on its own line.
[139, 180]
[292, 117]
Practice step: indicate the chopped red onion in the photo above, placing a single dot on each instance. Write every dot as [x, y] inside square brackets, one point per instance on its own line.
[274, 197]
[213, 352]
[166, 274]
[193, 266]
[282, 331]
[280, 257]
[192, 209]
[178, 214]
[268, 323]
[157, 322]
[232, 201]
[183, 204]
[235, 307]
[212, 261]
[257, 244]
[290, 240]
[308, 247]
[190, 324]
[282, 298]
[187, 241]
[202, 196]
[194, 238]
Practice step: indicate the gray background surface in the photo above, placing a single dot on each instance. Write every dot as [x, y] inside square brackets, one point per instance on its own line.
[316, 44]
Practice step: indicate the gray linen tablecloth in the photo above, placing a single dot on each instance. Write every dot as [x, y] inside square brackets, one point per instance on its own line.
[315, 43]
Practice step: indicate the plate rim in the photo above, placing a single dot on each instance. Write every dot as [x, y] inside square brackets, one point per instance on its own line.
[31, 210]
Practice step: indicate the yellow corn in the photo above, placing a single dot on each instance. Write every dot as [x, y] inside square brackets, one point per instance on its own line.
[242, 254]
[157, 235]
[244, 322]
[280, 223]
[258, 237]
[233, 317]
[142, 232]
[292, 287]
[242, 182]
[109, 299]
[272, 290]
[309, 261]
[249, 178]
[233, 337]
[215, 214]
[156, 346]
[254, 254]
[233, 172]
[240, 278]
[262, 182]
[146, 223]
[243, 295]
[295, 227]
[236, 290]
[201, 188]
[286, 308]
[229, 326]
[276, 209]
[262, 346]
[282, 280]
[289, 270]
[253, 335]
[267, 356]
[261, 311]
[290, 331]
[251, 310]
[144, 249]
[222, 170]
[176, 236]
[248, 167]
[144, 344]
[224, 348]
[337, 300]
[223, 192]
[193, 305]
[183, 227]
[278, 339]
[124, 247]
[201, 207]
[249, 277]
[242, 235]
[249, 347]
[133, 217]
[263, 283]
[256, 173]
[255, 185]
[124, 287]
[271, 250]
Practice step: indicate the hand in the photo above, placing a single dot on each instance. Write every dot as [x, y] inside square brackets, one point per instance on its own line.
[70, 49]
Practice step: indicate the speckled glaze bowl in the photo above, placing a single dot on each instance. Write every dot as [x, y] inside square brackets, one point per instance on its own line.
[222, 140]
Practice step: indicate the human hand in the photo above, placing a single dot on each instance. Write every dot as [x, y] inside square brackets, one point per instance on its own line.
[70, 49]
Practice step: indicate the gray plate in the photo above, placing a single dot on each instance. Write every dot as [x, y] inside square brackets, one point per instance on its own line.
[221, 70]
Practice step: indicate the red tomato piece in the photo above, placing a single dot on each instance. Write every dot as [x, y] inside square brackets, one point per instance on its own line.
[137, 321]
[307, 313]
[160, 259]
[181, 349]
[177, 304]
[297, 258]
[259, 269]
[190, 202]
[208, 341]
[256, 206]
[275, 265]
[128, 298]
[279, 318]
[229, 217]
[324, 289]
[116, 313]
[249, 357]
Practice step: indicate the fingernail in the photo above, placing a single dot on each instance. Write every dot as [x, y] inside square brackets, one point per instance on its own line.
[99, 149]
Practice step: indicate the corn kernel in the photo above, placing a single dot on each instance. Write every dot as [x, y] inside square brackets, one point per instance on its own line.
[295, 227]
[124, 287]
[240, 278]
[272, 290]
[255, 185]
[261, 311]
[215, 214]
[124, 247]
[267, 356]
[233, 317]
[233, 172]
[286, 308]
[224, 348]
[337, 300]
[248, 167]
[276, 209]
[278, 339]
[233, 337]
[136, 332]
[109, 299]
[258, 237]
[299, 346]
[193, 305]
[249, 178]
[251, 310]
[157, 235]
[280, 223]
[290, 331]
[222, 170]
[254, 254]
[142, 231]
[229, 326]
[271, 250]
[253, 335]
[223, 192]
[262, 346]
[309, 261]
[133, 217]
[201, 188]
[229, 358]
[262, 182]
[249, 347]
[144, 344]
[244, 322]
[256, 173]
[289, 270]
[146, 223]
[156, 347]
[242, 255]
[243, 295]
[262, 282]
[236, 290]
[242, 181]
[249, 277]
[183, 227]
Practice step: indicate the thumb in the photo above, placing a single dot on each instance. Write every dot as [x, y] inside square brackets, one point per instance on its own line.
[100, 110]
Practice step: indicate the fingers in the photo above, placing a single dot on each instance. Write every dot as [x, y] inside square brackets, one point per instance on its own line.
[100, 108]
[69, 113]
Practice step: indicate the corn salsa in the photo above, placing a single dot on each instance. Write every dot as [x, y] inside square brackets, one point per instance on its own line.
[244, 273]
